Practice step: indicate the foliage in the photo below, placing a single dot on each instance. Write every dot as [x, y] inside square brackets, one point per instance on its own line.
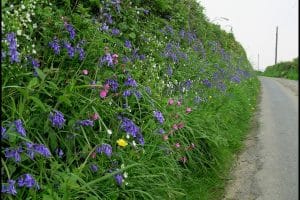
[119, 100]
[287, 70]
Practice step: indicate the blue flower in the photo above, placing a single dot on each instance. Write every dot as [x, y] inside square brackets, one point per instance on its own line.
[80, 50]
[140, 139]
[94, 168]
[161, 131]
[129, 127]
[148, 89]
[70, 29]
[26, 180]
[127, 93]
[86, 122]
[130, 82]
[20, 128]
[119, 179]
[108, 18]
[57, 119]
[10, 188]
[106, 59]
[70, 49]
[59, 152]
[13, 153]
[207, 83]
[115, 31]
[14, 54]
[137, 94]
[128, 44]
[55, 45]
[104, 27]
[113, 84]
[3, 132]
[106, 149]
[37, 148]
[158, 115]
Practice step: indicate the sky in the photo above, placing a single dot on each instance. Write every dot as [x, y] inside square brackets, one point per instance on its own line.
[253, 24]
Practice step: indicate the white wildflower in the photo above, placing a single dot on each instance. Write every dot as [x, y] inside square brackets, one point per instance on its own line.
[19, 32]
[109, 131]
[23, 7]
[127, 136]
[125, 175]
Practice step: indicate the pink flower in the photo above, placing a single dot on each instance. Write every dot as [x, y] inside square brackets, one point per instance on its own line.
[183, 159]
[115, 58]
[85, 72]
[170, 101]
[177, 145]
[95, 116]
[180, 125]
[175, 127]
[188, 110]
[93, 155]
[106, 87]
[103, 93]
[165, 137]
[178, 103]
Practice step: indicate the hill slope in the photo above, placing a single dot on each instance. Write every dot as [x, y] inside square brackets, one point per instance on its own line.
[120, 100]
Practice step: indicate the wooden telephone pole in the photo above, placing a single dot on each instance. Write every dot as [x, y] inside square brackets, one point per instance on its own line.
[276, 45]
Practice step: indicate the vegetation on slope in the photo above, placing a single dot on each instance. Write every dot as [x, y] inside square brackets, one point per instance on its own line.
[287, 70]
[118, 99]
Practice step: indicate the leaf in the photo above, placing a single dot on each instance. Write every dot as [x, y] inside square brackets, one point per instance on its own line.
[33, 82]
[132, 35]
[38, 102]
[41, 74]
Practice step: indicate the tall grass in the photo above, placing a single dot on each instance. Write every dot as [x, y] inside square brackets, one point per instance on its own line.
[119, 100]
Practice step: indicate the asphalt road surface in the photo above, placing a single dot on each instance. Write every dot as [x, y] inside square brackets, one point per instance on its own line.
[267, 169]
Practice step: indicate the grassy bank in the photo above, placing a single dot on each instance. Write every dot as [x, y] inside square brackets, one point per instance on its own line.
[287, 70]
[120, 100]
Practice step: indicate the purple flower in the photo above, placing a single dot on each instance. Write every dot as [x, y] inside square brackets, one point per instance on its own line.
[107, 58]
[37, 148]
[169, 71]
[10, 188]
[86, 122]
[130, 82]
[80, 50]
[108, 18]
[182, 33]
[161, 131]
[129, 127]
[119, 179]
[115, 31]
[59, 152]
[128, 44]
[235, 79]
[198, 99]
[137, 94]
[94, 168]
[20, 128]
[158, 115]
[14, 54]
[113, 84]
[57, 119]
[106, 149]
[116, 3]
[146, 12]
[127, 93]
[207, 83]
[142, 57]
[3, 132]
[26, 180]
[55, 45]
[140, 139]
[70, 29]
[125, 59]
[104, 27]
[13, 153]
[148, 90]
[70, 49]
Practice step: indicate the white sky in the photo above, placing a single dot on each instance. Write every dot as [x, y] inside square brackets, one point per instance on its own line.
[254, 26]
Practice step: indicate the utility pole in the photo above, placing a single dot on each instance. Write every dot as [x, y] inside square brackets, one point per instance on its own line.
[276, 45]
[258, 62]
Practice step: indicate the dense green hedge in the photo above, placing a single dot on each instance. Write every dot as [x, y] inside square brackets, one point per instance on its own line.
[288, 70]
[119, 100]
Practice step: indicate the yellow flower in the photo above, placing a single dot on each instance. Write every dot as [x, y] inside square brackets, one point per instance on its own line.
[122, 142]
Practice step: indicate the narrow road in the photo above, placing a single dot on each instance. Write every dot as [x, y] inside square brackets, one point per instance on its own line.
[267, 169]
